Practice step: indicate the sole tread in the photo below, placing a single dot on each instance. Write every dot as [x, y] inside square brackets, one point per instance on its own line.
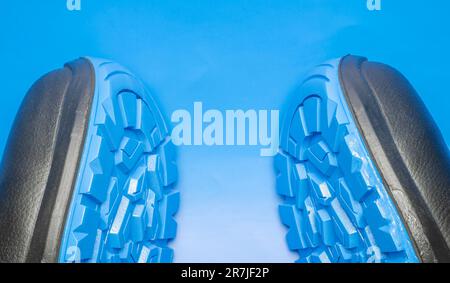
[335, 205]
[124, 200]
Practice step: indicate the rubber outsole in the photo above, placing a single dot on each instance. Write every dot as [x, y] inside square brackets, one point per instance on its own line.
[389, 115]
[335, 204]
[124, 200]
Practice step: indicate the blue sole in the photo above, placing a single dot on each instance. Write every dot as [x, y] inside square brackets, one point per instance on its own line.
[335, 205]
[124, 199]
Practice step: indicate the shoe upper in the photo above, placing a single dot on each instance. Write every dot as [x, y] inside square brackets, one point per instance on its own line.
[408, 147]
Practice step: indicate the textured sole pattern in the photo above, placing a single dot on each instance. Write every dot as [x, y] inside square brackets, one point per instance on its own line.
[335, 205]
[124, 199]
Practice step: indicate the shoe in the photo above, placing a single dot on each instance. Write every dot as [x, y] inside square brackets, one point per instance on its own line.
[89, 171]
[362, 170]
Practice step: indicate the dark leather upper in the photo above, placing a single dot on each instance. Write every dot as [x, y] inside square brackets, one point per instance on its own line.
[408, 147]
[33, 162]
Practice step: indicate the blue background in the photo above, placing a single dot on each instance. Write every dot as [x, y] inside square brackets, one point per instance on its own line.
[229, 55]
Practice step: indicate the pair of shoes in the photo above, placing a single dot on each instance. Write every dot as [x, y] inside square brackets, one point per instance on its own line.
[89, 173]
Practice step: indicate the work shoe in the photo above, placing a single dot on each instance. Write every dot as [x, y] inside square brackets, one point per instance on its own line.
[89, 171]
[362, 169]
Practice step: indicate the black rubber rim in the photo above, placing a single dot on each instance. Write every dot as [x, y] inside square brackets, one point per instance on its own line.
[72, 89]
[428, 239]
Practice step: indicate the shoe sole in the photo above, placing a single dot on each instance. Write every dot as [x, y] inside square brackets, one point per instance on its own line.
[335, 204]
[123, 201]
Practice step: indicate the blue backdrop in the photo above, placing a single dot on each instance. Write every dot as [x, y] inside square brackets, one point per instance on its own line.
[229, 55]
